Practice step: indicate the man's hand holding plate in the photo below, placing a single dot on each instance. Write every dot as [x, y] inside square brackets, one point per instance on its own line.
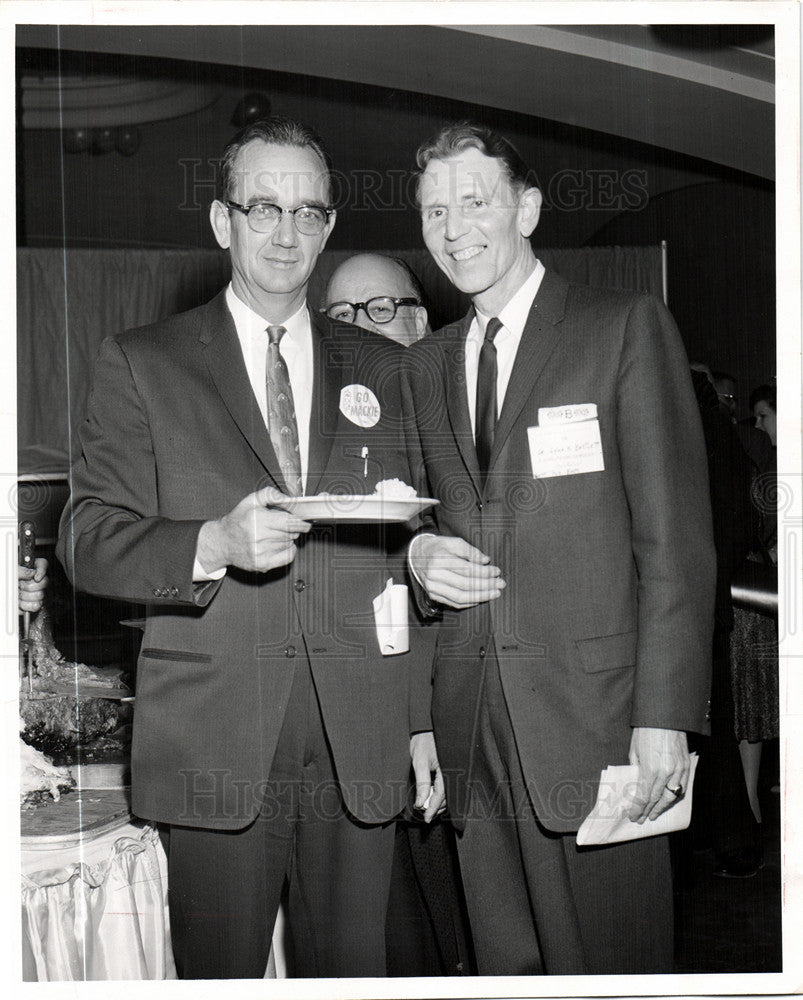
[253, 536]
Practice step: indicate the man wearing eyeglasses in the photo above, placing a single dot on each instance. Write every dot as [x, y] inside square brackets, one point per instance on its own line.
[378, 293]
[271, 735]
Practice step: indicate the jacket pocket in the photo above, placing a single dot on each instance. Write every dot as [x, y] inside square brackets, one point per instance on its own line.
[607, 652]
[176, 655]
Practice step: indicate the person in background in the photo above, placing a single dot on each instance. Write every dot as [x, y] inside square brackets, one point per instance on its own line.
[725, 386]
[378, 293]
[427, 933]
[271, 735]
[572, 562]
[32, 585]
[754, 640]
[723, 819]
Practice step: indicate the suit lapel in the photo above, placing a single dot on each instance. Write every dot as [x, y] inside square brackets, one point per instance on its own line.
[538, 340]
[329, 359]
[224, 359]
[454, 349]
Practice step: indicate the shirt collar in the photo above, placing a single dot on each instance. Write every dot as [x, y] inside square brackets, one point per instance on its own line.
[251, 324]
[514, 315]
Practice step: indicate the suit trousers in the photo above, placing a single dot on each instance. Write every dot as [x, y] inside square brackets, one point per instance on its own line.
[539, 904]
[224, 886]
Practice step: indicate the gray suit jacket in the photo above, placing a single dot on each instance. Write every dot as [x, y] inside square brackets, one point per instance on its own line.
[606, 621]
[174, 437]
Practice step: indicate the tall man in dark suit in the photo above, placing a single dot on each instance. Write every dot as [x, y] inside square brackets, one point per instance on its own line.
[571, 557]
[269, 733]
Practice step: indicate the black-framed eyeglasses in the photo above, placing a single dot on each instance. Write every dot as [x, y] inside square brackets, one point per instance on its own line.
[263, 216]
[379, 309]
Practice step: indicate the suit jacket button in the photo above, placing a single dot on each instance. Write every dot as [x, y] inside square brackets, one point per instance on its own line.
[156, 592]
[174, 591]
[299, 585]
[482, 651]
[290, 651]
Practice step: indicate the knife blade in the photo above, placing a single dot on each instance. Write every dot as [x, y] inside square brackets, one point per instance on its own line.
[27, 558]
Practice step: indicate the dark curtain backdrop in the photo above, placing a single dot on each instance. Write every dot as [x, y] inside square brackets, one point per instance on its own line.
[68, 301]
[722, 272]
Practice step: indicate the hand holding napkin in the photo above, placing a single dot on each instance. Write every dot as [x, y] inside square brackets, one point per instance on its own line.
[390, 615]
[607, 823]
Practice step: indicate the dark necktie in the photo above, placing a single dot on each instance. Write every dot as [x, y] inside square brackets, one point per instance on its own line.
[282, 414]
[485, 414]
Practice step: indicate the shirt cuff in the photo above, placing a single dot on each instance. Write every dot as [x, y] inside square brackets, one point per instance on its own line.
[416, 577]
[199, 574]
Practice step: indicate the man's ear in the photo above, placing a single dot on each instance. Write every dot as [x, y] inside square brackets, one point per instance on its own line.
[220, 221]
[421, 322]
[330, 225]
[529, 211]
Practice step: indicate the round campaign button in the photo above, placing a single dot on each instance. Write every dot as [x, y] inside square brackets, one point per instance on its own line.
[359, 405]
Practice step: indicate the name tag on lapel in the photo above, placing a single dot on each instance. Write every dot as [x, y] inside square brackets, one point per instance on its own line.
[566, 441]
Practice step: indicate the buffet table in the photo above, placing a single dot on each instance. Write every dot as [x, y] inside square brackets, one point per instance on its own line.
[94, 893]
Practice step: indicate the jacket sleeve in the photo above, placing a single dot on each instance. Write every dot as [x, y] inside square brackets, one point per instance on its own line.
[664, 470]
[112, 541]
[427, 609]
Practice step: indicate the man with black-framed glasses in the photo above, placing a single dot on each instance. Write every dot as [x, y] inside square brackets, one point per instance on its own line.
[378, 293]
[272, 736]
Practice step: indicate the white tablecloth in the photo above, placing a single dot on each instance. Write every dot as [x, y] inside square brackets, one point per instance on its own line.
[97, 910]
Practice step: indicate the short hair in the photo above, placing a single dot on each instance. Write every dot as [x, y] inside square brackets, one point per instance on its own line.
[276, 131]
[722, 376]
[459, 136]
[764, 394]
[412, 277]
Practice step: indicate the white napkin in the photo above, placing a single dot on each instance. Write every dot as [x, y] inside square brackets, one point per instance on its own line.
[607, 823]
[390, 615]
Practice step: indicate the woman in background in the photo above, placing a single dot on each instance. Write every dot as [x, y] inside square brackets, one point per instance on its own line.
[754, 640]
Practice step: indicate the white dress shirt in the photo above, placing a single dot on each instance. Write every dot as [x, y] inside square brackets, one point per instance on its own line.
[296, 349]
[513, 319]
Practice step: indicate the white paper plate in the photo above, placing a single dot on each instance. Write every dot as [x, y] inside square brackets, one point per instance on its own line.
[356, 509]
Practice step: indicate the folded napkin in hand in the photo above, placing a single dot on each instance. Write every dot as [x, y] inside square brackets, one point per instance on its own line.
[390, 615]
[607, 823]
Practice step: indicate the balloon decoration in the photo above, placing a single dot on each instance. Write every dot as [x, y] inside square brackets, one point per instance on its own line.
[77, 140]
[249, 108]
[99, 141]
[102, 140]
[127, 139]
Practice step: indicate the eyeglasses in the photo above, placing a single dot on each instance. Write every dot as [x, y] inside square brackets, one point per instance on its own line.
[263, 217]
[380, 309]
[727, 395]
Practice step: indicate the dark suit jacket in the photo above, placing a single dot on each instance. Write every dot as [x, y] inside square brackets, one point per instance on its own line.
[607, 617]
[174, 437]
